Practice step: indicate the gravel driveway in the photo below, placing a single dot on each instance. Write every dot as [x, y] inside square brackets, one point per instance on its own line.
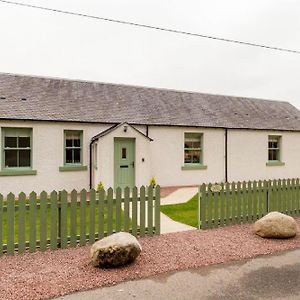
[43, 275]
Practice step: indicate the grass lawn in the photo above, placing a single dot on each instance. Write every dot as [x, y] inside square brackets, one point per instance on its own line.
[38, 217]
[247, 208]
[186, 213]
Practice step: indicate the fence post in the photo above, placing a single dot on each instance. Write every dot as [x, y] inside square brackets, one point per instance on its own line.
[268, 197]
[59, 220]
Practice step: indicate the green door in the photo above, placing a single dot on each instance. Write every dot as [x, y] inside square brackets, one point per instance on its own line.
[124, 155]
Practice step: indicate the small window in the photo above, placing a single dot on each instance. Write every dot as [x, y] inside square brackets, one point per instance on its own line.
[73, 147]
[274, 144]
[193, 148]
[124, 156]
[16, 147]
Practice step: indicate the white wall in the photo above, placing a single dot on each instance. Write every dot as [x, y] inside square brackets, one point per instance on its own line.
[164, 157]
[248, 154]
[105, 172]
[47, 157]
[167, 156]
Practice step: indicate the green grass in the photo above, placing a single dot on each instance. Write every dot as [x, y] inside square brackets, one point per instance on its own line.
[87, 222]
[186, 213]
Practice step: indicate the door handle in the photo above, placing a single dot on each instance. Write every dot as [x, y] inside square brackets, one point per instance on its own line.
[132, 164]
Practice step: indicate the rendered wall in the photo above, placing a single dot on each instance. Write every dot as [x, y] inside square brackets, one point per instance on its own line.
[47, 157]
[248, 154]
[167, 156]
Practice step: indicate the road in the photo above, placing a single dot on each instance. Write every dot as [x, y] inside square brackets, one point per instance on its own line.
[265, 277]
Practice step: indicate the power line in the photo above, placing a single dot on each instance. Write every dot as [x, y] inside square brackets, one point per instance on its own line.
[154, 27]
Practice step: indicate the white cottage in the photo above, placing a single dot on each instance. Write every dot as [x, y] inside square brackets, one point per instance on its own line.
[65, 134]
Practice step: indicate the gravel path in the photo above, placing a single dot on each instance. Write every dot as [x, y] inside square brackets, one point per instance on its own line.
[48, 274]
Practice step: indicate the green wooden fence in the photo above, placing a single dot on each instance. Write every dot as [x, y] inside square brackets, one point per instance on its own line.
[245, 202]
[62, 219]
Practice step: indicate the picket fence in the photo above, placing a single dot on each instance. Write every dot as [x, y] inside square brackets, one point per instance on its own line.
[62, 219]
[245, 202]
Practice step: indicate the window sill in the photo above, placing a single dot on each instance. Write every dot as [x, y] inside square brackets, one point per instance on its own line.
[17, 172]
[194, 167]
[72, 168]
[275, 163]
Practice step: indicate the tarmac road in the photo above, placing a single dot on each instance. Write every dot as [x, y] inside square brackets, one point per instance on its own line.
[265, 277]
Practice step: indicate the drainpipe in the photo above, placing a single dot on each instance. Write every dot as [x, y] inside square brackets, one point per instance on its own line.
[226, 155]
[147, 130]
[91, 162]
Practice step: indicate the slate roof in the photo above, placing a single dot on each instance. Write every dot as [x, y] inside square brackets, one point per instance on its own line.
[51, 99]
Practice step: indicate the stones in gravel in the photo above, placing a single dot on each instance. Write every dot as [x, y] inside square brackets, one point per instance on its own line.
[115, 250]
[276, 225]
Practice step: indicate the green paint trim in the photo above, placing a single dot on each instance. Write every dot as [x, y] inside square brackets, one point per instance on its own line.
[72, 168]
[275, 163]
[16, 172]
[194, 167]
[67, 131]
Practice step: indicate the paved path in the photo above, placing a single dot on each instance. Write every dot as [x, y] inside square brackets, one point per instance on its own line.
[179, 196]
[267, 277]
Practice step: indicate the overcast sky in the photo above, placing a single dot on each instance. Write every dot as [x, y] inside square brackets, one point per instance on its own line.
[52, 44]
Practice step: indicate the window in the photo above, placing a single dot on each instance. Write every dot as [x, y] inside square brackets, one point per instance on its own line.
[274, 148]
[17, 143]
[73, 147]
[193, 148]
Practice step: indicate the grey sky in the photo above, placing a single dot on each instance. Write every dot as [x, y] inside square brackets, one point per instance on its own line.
[51, 44]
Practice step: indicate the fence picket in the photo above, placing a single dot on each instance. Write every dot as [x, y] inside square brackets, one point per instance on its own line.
[73, 219]
[233, 203]
[202, 222]
[10, 223]
[82, 240]
[288, 196]
[92, 216]
[284, 195]
[134, 211]
[43, 221]
[21, 223]
[222, 211]
[215, 209]
[209, 207]
[150, 210]
[118, 209]
[244, 198]
[254, 197]
[109, 211]
[63, 219]
[239, 210]
[54, 219]
[101, 214]
[280, 205]
[126, 208]
[142, 210]
[157, 210]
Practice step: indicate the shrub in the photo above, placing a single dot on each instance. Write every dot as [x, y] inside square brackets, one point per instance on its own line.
[152, 182]
[100, 186]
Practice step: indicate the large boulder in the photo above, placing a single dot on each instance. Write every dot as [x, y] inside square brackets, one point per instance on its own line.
[115, 250]
[276, 225]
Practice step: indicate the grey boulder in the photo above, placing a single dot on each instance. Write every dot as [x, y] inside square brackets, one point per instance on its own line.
[115, 250]
[276, 225]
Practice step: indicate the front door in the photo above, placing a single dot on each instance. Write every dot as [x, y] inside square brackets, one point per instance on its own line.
[124, 156]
